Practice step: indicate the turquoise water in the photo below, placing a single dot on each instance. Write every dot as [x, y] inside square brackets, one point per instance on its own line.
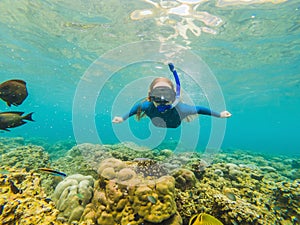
[253, 54]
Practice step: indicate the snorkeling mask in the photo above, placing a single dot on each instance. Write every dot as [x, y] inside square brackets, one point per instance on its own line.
[164, 95]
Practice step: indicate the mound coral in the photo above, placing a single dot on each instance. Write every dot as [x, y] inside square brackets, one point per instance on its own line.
[185, 179]
[121, 196]
[72, 195]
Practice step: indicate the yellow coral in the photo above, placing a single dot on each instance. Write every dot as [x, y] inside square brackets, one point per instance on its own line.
[105, 219]
[164, 206]
[27, 204]
[131, 199]
[185, 179]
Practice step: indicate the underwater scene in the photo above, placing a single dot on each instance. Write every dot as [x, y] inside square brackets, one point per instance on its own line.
[149, 112]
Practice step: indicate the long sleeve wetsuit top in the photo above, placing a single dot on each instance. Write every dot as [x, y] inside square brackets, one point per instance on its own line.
[171, 118]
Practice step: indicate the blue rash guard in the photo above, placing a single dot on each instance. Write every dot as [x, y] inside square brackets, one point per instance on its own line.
[171, 118]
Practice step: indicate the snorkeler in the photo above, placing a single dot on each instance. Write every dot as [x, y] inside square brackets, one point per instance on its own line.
[163, 105]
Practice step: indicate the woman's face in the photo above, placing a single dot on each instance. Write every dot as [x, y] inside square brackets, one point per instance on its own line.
[162, 82]
[162, 94]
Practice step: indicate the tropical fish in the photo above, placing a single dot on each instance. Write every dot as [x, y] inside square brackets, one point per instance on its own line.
[204, 219]
[14, 188]
[48, 200]
[13, 92]
[79, 195]
[53, 172]
[13, 119]
[230, 195]
[152, 199]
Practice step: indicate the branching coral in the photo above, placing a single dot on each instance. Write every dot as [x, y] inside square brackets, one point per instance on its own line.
[22, 200]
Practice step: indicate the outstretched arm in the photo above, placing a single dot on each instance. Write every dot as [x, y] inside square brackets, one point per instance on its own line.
[133, 111]
[190, 110]
[206, 111]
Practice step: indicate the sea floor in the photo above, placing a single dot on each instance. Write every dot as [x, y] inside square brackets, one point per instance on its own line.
[129, 184]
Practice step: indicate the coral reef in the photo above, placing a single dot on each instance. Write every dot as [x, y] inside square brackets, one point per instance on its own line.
[149, 187]
[28, 157]
[149, 168]
[22, 200]
[121, 196]
[59, 149]
[240, 194]
[10, 143]
[92, 154]
[72, 195]
[175, 161]
[129, 151]
[83, 159]
[286, 200]
[185, 179]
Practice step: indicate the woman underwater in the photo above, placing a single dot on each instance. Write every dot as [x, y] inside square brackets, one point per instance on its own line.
[163, 106]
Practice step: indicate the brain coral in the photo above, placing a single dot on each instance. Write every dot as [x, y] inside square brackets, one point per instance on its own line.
[72, 195]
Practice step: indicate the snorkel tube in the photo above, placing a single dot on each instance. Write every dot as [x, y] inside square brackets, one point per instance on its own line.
[162, 108]
[172, 69]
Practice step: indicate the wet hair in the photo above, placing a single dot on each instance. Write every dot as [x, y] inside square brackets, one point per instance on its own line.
[156, 81]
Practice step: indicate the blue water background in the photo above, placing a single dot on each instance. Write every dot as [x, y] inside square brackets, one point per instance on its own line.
[51, 44]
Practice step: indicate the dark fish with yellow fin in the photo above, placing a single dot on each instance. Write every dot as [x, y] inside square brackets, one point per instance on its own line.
[204, 219]
[13, 92]
[13, 119]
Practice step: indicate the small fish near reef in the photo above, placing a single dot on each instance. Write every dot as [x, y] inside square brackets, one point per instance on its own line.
[204, 219]
[152, 199]
[13, 119]
[53, 172]
[13, 92]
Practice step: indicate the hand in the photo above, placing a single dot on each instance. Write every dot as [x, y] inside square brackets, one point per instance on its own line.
[225, 114]
[117, 119]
